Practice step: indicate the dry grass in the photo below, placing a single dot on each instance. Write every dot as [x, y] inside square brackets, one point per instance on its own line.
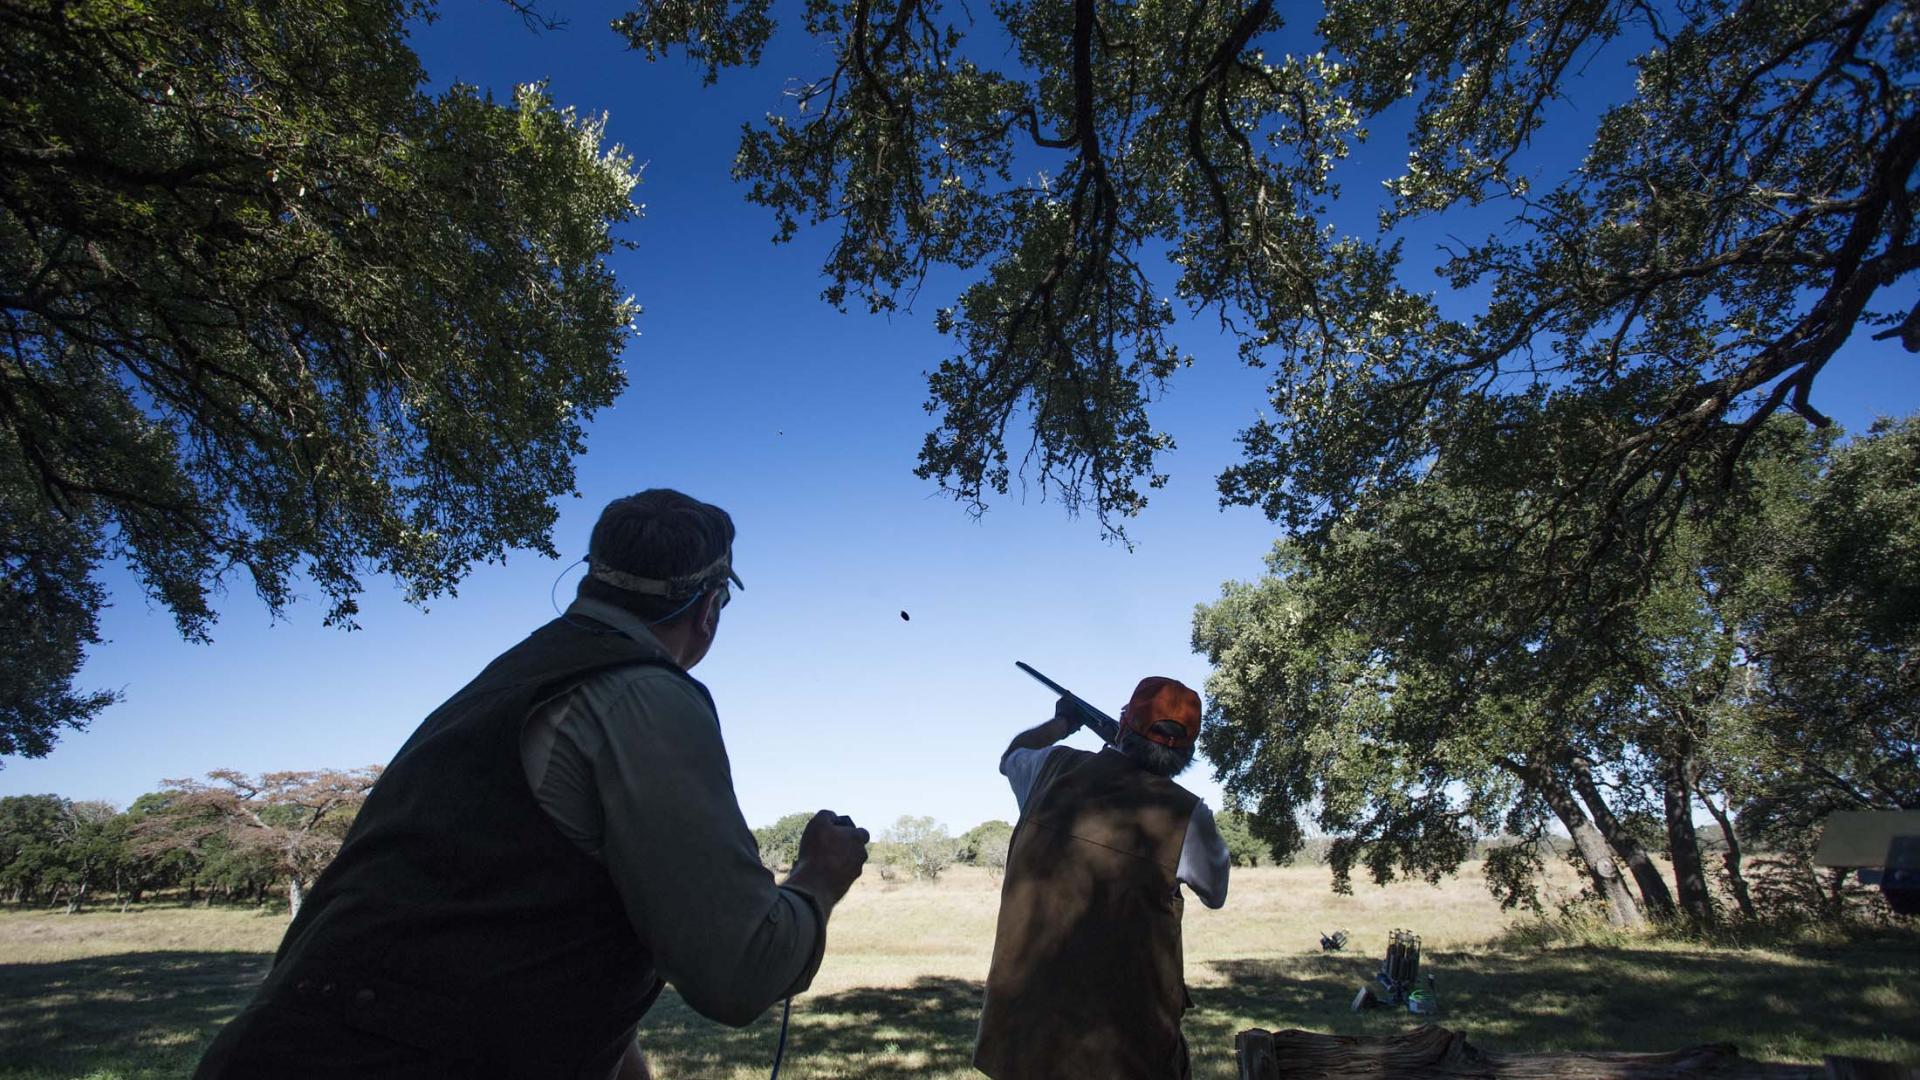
[127, 997]
[44, 937]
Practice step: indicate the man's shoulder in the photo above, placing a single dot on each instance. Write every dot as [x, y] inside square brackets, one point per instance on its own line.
[1063, 752]
[1029, 760]
[1034, 754]
[638, 700]
[656, 681]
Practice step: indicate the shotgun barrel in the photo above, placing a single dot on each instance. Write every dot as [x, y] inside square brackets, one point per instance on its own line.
[1103, 725]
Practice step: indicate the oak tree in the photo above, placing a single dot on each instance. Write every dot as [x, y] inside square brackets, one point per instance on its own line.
[1760, 673]
[272, 312]
[1744, 204]
[294, 821]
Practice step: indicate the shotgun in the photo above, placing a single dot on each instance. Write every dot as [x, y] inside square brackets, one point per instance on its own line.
[1101, 724]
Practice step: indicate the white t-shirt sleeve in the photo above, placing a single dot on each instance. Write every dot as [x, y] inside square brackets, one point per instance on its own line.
[1203, 858]
[1020, 767]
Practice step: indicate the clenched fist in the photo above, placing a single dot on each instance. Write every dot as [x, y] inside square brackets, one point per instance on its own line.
[832, 852]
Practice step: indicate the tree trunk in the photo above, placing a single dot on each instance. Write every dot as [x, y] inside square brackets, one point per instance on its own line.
[296, 895]
[1604, 872]
[1653, 888]
[1736, 881]
[1836, 891]
[1696, 903]
[1622, 910]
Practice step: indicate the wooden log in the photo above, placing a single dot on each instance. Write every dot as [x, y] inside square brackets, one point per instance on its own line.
[1436, 1052]
[1254, 1050]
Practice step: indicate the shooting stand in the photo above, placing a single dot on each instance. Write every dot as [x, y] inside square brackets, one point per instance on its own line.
[1435, 1052]
[1397, 984]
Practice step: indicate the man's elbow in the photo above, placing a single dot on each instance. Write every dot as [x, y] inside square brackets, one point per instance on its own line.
[732, 1009]
[1213, 894]
[738, 1015]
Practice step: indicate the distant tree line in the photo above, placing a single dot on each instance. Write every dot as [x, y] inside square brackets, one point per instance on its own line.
[917, 847]
[241, 839]
[234, 838]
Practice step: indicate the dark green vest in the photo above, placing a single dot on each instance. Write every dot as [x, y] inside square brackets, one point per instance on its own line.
[1086, 978]
[458, 932]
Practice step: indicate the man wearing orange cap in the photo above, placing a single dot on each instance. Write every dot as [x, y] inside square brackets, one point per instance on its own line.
[1086, 977]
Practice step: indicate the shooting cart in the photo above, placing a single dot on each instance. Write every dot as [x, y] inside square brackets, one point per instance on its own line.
[1883, 845]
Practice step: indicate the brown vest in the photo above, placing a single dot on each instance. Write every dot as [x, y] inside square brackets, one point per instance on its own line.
[1086, 977]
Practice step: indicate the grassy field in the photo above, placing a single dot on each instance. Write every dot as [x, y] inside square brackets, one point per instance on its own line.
[107, 996]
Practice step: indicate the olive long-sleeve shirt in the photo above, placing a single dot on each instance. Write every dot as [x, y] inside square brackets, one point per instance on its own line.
[631, 767]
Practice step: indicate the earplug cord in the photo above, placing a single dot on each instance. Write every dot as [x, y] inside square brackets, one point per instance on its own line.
[780, 1048]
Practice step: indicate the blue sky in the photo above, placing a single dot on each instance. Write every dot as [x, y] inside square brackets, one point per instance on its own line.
[748, 391]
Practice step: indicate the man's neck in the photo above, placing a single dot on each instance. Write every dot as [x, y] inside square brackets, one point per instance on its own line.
[676, 640]
[624, 621]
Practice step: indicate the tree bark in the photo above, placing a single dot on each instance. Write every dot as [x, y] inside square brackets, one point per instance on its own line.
[1690, 877]
[1653, 888]
[1736, 880]
[296, 894]
[1622, 909]
[1602, 871]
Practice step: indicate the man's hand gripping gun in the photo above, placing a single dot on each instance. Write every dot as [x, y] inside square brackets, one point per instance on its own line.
[1100, 723]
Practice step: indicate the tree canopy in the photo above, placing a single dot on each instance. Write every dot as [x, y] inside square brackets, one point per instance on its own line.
[1528, 580]
[1739, 211]
[924, 845]
[1760, 673]
[291, 821]
[268, 308]
[780, 842]
[985, 845]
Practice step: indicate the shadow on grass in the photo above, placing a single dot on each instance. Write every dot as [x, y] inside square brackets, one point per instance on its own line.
[136, 1016]
[887, 1034]
[1790, 1003]
[129, 1015]
[1794, 1003]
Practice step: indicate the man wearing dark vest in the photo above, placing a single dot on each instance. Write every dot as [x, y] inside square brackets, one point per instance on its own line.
[1086, 978]
[553, 844]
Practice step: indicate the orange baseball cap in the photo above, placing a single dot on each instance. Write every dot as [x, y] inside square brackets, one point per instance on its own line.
[1159, 698]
